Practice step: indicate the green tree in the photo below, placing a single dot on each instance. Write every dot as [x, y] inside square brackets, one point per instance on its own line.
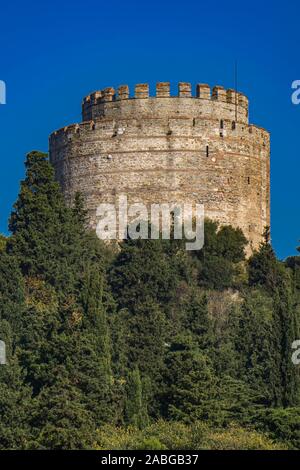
[11, 292]
[61, 421]
[196, 320]
[146, 337]
[252, 334]
[63, 328]
[92, 361]
[48, 238]
[190, 383]
[15, 405]
[221, 255]
[285, 331]
[263, 265]
[266, 271]
[135, 406]
[145, 334]
[143, 270]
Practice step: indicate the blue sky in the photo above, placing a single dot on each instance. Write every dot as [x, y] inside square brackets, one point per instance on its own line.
[54, 53]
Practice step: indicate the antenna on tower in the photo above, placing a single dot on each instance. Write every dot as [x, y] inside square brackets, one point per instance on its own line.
[236, 88]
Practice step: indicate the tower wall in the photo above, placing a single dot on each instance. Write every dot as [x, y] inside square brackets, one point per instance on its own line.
[198, 149]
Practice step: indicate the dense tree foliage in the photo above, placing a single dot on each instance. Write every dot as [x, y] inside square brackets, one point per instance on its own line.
[144, 345]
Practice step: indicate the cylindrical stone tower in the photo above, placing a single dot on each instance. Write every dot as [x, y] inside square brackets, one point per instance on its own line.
[174, 149]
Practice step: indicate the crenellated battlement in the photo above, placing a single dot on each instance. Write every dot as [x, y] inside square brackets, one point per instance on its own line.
[217, 99]
[193, 127]
[141, 90]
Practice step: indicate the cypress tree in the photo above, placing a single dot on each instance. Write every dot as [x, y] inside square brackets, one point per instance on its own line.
[190, 383]
[263, 265]
[92, 361]
[257, 358]
[64, 329]
[286, 331]
[135, 407]
[48, 238]
[266, 271]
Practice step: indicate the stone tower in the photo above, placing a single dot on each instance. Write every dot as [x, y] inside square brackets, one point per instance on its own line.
[187, 148]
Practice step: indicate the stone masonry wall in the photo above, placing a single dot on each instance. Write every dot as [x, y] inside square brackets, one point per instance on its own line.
[198, 149]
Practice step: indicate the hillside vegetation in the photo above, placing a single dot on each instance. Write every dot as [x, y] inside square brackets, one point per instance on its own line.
[144, 345]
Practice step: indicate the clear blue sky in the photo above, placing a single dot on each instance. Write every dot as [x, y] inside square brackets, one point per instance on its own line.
[54, 53]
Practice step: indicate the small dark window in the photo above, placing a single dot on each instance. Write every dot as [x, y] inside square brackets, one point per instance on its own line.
[221, 124]
[233, 126]
[248, 179]
[207, 151]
